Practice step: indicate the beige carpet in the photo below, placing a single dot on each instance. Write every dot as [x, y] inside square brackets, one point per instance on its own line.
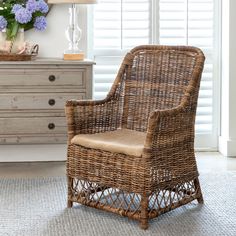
[37, 207]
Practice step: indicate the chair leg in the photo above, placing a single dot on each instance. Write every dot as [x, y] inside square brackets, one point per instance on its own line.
[144, 212]
[199, 191]
[69, 194]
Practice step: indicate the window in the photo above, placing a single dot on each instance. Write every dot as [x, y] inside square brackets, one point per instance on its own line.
[122, 24]
[118, 26]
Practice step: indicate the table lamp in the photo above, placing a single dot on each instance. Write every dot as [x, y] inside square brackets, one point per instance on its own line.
[73, 32]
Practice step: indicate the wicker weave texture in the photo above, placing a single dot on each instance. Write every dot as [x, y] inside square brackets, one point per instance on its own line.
[156, 92]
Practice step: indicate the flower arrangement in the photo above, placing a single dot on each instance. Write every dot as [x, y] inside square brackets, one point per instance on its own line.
[20, 14]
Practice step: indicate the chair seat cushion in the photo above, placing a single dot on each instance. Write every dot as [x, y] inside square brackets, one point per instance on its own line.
[126, 141]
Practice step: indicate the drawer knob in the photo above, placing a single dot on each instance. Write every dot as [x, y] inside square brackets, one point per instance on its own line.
[52, 78]
[51, 102]
[51, 126]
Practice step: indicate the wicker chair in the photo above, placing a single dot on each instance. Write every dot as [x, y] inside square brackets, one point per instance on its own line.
[133, 152]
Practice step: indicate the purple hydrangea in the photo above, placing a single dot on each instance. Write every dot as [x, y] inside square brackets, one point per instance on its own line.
[3, 23]
[15, 8]
[23, 16]
[32, 6]
[40, 23]
[42, 6]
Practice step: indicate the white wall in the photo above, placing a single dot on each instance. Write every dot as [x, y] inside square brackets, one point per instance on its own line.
[227, 141]
[52, 42]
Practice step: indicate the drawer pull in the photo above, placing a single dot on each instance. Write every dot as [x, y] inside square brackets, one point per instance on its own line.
[51, 102]
[51, 126]
[52, 78]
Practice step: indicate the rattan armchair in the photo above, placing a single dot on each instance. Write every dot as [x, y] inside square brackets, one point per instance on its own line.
[133, 152]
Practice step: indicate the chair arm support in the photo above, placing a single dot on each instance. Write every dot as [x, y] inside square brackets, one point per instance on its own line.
[92, 116]
[158, 117]
[169, 144]
[169, 122]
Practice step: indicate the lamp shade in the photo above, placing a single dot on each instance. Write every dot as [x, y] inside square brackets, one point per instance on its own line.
[72, 1]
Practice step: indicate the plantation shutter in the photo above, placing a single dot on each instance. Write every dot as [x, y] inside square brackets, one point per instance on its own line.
[122, 24]
[191, 22]
[118, 26]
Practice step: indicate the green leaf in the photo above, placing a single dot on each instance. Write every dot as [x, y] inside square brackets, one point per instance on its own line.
[14, 30]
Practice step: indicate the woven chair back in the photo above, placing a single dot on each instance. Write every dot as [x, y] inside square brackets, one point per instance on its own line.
[157, 78]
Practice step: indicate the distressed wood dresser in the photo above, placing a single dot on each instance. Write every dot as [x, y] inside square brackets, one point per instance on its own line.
[33, 95]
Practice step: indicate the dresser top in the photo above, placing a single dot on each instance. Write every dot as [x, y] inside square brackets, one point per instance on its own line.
[48, 61]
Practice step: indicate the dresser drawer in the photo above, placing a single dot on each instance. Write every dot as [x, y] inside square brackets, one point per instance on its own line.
[33, 96]
[59, 77]
[33, 125]
[37, 100]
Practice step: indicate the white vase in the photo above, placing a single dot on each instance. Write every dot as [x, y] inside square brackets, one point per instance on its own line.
[19, 42]
[15, 46]
[2, 40]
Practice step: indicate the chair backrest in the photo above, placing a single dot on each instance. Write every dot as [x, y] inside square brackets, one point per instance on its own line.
[157, 77]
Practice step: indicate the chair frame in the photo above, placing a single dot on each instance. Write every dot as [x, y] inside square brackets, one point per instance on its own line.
[164, 177]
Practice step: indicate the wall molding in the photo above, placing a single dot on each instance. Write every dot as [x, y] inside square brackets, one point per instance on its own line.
[227, 140]
[227, 147]
[32, 153]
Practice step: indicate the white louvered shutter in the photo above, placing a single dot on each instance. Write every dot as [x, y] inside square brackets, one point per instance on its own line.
[122, 24]
[191, 22]
[118, 26]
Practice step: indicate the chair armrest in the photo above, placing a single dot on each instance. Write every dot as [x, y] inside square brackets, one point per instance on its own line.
[162, 122]
[87, 117]
[94, 116]
[74, 102]
[170, 125]
[169, 144]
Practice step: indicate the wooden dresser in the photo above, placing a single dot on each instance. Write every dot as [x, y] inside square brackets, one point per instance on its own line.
[33, 95]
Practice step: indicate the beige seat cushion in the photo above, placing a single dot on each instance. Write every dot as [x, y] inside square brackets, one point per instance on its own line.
[125, 141]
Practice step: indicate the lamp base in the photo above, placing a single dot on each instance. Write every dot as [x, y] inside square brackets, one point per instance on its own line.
[73, 56]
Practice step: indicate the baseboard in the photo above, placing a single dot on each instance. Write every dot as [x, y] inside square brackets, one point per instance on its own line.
[205, 142]
[227, 147]
[31, 153]
[47, 152]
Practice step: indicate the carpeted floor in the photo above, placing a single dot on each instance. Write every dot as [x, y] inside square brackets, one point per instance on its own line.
[33, 207]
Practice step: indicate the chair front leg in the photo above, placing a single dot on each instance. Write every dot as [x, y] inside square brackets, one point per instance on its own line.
[198, 191]
[69, 193]
[144, 212]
